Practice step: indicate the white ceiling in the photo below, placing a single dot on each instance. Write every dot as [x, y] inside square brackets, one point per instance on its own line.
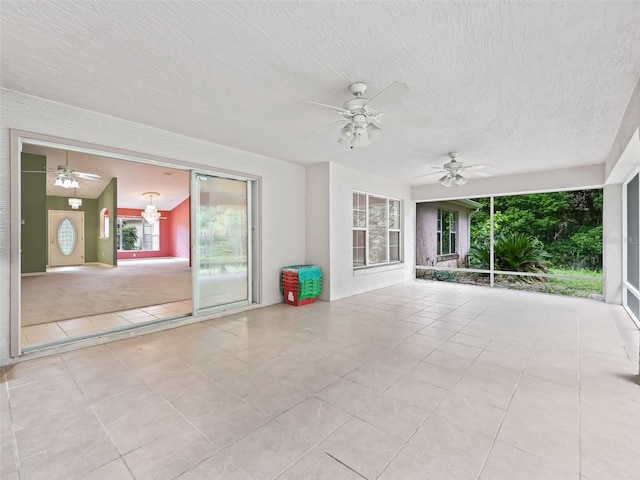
[524, 86]
[133, 178]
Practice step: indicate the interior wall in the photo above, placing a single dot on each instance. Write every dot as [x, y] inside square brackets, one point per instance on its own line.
[282, 183]
[612, 241]
[91, 219]
[318, 223]
[107, 250]
[165, 236]
[627, 130]
[34, 234]
[345, 281]
[180, 230]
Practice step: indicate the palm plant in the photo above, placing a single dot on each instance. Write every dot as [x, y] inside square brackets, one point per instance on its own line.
[513, 252]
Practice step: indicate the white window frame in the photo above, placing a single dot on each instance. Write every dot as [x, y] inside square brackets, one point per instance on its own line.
[454, 230]
[389, 230]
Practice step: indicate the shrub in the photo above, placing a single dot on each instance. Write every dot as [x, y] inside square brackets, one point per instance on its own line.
[514, 252]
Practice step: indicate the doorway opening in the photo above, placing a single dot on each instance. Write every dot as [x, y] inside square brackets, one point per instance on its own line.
[103, 265]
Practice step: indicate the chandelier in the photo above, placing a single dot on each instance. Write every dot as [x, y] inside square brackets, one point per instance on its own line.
[150, 212]
[74, 201]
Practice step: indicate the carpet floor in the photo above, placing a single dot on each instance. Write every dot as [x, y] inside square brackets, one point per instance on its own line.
[74, 292]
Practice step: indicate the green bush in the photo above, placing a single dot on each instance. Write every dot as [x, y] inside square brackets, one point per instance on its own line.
[514, 252]
[129, 237]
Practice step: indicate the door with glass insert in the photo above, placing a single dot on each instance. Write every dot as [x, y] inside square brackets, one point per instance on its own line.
[221, 223]
[66, 238]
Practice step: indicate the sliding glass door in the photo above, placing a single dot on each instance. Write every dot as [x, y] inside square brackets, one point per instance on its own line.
[222, 254]
[631, 248]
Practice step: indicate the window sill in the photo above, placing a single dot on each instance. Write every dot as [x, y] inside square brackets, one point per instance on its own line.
[369, 270]
[444, 258]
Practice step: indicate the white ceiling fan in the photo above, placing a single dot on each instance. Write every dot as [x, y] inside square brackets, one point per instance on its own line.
[453, 171]
[362, 115]
[67, 177]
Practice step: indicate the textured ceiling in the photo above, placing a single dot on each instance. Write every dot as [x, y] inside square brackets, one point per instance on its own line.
[524, 86]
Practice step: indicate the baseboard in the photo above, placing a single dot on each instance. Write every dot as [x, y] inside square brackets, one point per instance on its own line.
[33, 274]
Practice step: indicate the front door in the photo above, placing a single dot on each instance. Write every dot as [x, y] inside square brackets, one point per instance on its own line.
[66, 238]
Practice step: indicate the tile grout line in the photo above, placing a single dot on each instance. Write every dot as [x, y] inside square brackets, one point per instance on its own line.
[430, 414]
[506, 410]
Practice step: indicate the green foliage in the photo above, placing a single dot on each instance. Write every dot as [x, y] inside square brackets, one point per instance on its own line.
[445, 276]
[568, 224]
[129, 237]
[514, 252]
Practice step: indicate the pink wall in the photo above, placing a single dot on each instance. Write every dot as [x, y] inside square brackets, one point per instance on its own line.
[180, 234]
[165, 236]
[175, 238]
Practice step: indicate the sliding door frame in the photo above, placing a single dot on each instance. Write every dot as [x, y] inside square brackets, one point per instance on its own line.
[17, 138]
[627, 288]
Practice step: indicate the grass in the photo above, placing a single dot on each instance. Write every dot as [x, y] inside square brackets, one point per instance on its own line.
[559, 286]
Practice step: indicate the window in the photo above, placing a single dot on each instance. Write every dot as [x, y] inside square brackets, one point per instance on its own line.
[376, 230]
[136, 234]
[446, 232]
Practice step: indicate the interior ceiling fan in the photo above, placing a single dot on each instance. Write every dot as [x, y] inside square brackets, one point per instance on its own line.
[67, 177]
[453, 171]
[362, 115]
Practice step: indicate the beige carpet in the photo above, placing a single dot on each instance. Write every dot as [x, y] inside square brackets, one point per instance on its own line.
[74, 292]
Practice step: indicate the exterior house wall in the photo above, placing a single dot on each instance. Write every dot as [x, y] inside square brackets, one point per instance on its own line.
[426, 234]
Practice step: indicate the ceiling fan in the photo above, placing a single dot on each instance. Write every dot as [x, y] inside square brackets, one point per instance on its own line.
[453, 171]
[67, 177]
[361, 114]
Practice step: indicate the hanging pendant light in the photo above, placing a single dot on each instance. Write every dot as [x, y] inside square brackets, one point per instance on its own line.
[74, 201]
[150, 213]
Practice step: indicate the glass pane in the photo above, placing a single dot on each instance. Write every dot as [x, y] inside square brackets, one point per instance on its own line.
[446, 234]
[633, 216]
[394, 214]
[394, 246]
[359, 249]
[377, 230]
[221, 221]
[66, 236]
[359, 211]
[555, 233]
[633, 304]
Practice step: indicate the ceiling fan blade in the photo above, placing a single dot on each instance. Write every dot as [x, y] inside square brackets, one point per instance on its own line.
[480, 173]
[88, 176]
[479, 166]
[427, 174]
[323, 128]
[405, 119]
[338, 109]
[388, 95]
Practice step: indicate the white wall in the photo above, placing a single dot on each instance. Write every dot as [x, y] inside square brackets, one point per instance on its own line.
[318, 223]
[283, 184]
[612, 243]
[552, 180]
[345, 281]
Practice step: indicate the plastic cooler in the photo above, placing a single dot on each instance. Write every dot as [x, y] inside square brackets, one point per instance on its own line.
[301, 284]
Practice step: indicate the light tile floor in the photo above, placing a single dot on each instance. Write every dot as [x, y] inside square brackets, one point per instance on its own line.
[63, 329]
[417, 381]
